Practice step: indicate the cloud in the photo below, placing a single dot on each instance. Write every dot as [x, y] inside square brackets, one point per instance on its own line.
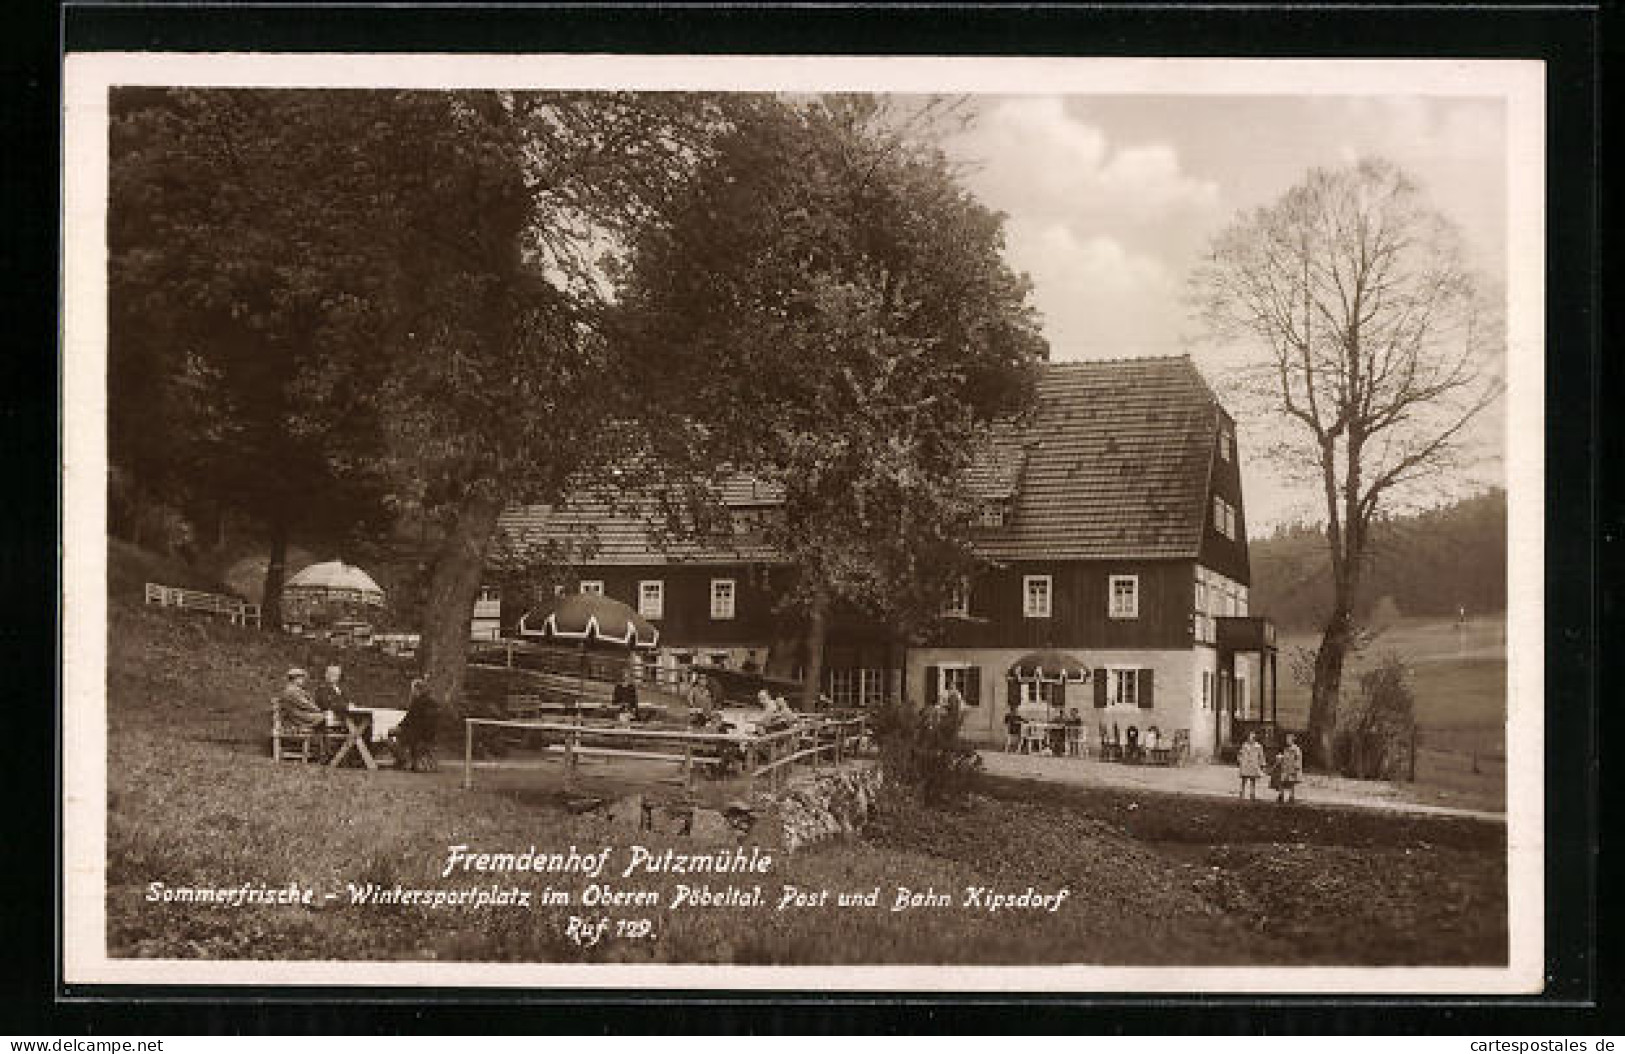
[1069, 169]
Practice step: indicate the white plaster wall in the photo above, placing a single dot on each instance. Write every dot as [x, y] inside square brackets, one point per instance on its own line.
[1176, 693]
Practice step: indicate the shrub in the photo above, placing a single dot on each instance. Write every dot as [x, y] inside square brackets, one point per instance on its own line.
[1376, 728]
[921, 749]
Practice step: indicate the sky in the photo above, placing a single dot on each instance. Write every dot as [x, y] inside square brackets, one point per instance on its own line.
[1111, 199]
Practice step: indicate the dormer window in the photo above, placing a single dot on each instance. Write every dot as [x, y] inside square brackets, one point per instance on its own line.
[957, 602]
[1226, 444]
[995, 513]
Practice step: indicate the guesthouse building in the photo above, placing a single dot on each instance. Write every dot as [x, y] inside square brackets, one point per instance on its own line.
[1111, 528]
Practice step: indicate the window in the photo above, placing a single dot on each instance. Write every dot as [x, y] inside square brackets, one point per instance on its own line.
[1225, 442]
[1229, 520]
[1036, 591]
[722, 598]
[843, 688]
[1123, 687]
[871, 687]
[652, 599]
[1242, 697]
[1218, 514]
[1125, 596]
[593, 587]
[1207, 689]
[964, 679]
[993, 513]
[1201, 594]
[1241, 600]
[957, 603]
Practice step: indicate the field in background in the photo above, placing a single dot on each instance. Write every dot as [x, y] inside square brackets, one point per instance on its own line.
[1459, 673]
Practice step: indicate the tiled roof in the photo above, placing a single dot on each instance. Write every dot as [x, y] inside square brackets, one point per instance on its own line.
[1112, 463]
[1116, 464]
[592, 530]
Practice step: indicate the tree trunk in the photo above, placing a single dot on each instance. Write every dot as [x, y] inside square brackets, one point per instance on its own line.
[1328, 686]
[276, 573]
[453, 586]
[782, 654]
[817, 630]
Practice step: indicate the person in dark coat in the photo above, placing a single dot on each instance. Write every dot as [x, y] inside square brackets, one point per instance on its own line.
[625, 699]
[413, 738]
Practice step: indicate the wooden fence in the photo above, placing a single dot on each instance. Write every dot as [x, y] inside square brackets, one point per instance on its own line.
[765, 754]
[240, 612]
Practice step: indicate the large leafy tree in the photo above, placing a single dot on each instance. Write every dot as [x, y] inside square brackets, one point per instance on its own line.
[827, 309]
[1375, 349]
[513, 207]
[243, 286]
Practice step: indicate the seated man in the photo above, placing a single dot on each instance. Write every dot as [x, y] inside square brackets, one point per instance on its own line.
[298, 711]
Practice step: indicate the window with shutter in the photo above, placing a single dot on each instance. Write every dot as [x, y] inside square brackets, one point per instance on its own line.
[1100, 689]
[1147, 699]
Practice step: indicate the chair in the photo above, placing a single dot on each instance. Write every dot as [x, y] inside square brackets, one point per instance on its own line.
[1032, 738]
[291, 743]
[1012, 736]
[1075, 745]
[1110, 748]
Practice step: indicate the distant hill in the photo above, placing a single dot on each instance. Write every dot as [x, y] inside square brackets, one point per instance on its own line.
[1429, 564]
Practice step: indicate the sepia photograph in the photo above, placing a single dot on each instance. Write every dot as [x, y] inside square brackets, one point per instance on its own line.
[589, 521]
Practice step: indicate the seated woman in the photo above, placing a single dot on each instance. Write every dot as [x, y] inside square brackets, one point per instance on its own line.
[412, 741]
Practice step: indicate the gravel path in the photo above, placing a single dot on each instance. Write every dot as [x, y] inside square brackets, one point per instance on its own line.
[1213, 781]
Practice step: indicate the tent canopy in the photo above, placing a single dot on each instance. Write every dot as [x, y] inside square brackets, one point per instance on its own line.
[589, 618]
[1050, 667]
[335, 580]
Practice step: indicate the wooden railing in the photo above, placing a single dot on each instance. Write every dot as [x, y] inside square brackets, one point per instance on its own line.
[240, 612]
[764, 754]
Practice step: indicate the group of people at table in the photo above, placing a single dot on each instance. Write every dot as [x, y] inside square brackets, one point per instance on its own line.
[330, 709]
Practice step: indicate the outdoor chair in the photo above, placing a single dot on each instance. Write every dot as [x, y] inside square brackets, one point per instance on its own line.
[293, 743]
[1032, 738]
[1110, 748]
[1012, 738]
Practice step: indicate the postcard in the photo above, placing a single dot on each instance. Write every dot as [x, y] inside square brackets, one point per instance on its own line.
[803, 523]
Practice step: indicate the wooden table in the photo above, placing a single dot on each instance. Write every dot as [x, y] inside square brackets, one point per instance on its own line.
[358, 726]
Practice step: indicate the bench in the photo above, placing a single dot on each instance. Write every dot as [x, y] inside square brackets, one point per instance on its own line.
[240, 612]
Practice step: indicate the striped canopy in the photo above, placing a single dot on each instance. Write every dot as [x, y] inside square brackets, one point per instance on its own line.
[589, 618]
[1049, 667]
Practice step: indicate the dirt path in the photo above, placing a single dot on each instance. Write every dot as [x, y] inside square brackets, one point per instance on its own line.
[1213, 781]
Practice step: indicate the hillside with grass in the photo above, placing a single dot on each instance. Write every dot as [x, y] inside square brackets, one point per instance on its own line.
[194, 799]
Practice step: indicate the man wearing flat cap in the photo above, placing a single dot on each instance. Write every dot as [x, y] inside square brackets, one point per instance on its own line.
[299, 711]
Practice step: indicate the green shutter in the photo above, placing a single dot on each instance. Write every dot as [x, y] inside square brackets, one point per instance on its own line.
[1100, 689]
[973, 686]
[1147, 696]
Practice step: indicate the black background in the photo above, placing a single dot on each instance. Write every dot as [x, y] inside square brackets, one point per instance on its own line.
[1582, 526]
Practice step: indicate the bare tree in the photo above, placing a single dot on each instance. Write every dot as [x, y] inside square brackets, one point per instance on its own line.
[1374, 345]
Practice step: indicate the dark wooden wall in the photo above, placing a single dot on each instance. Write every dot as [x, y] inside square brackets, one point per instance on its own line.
[1078, 611]
[1224, 555]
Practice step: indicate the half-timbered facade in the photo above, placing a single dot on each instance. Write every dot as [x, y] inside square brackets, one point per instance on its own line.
[1112, 528]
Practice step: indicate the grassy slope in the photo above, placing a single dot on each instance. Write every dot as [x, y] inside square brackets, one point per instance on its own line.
[193, 798]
